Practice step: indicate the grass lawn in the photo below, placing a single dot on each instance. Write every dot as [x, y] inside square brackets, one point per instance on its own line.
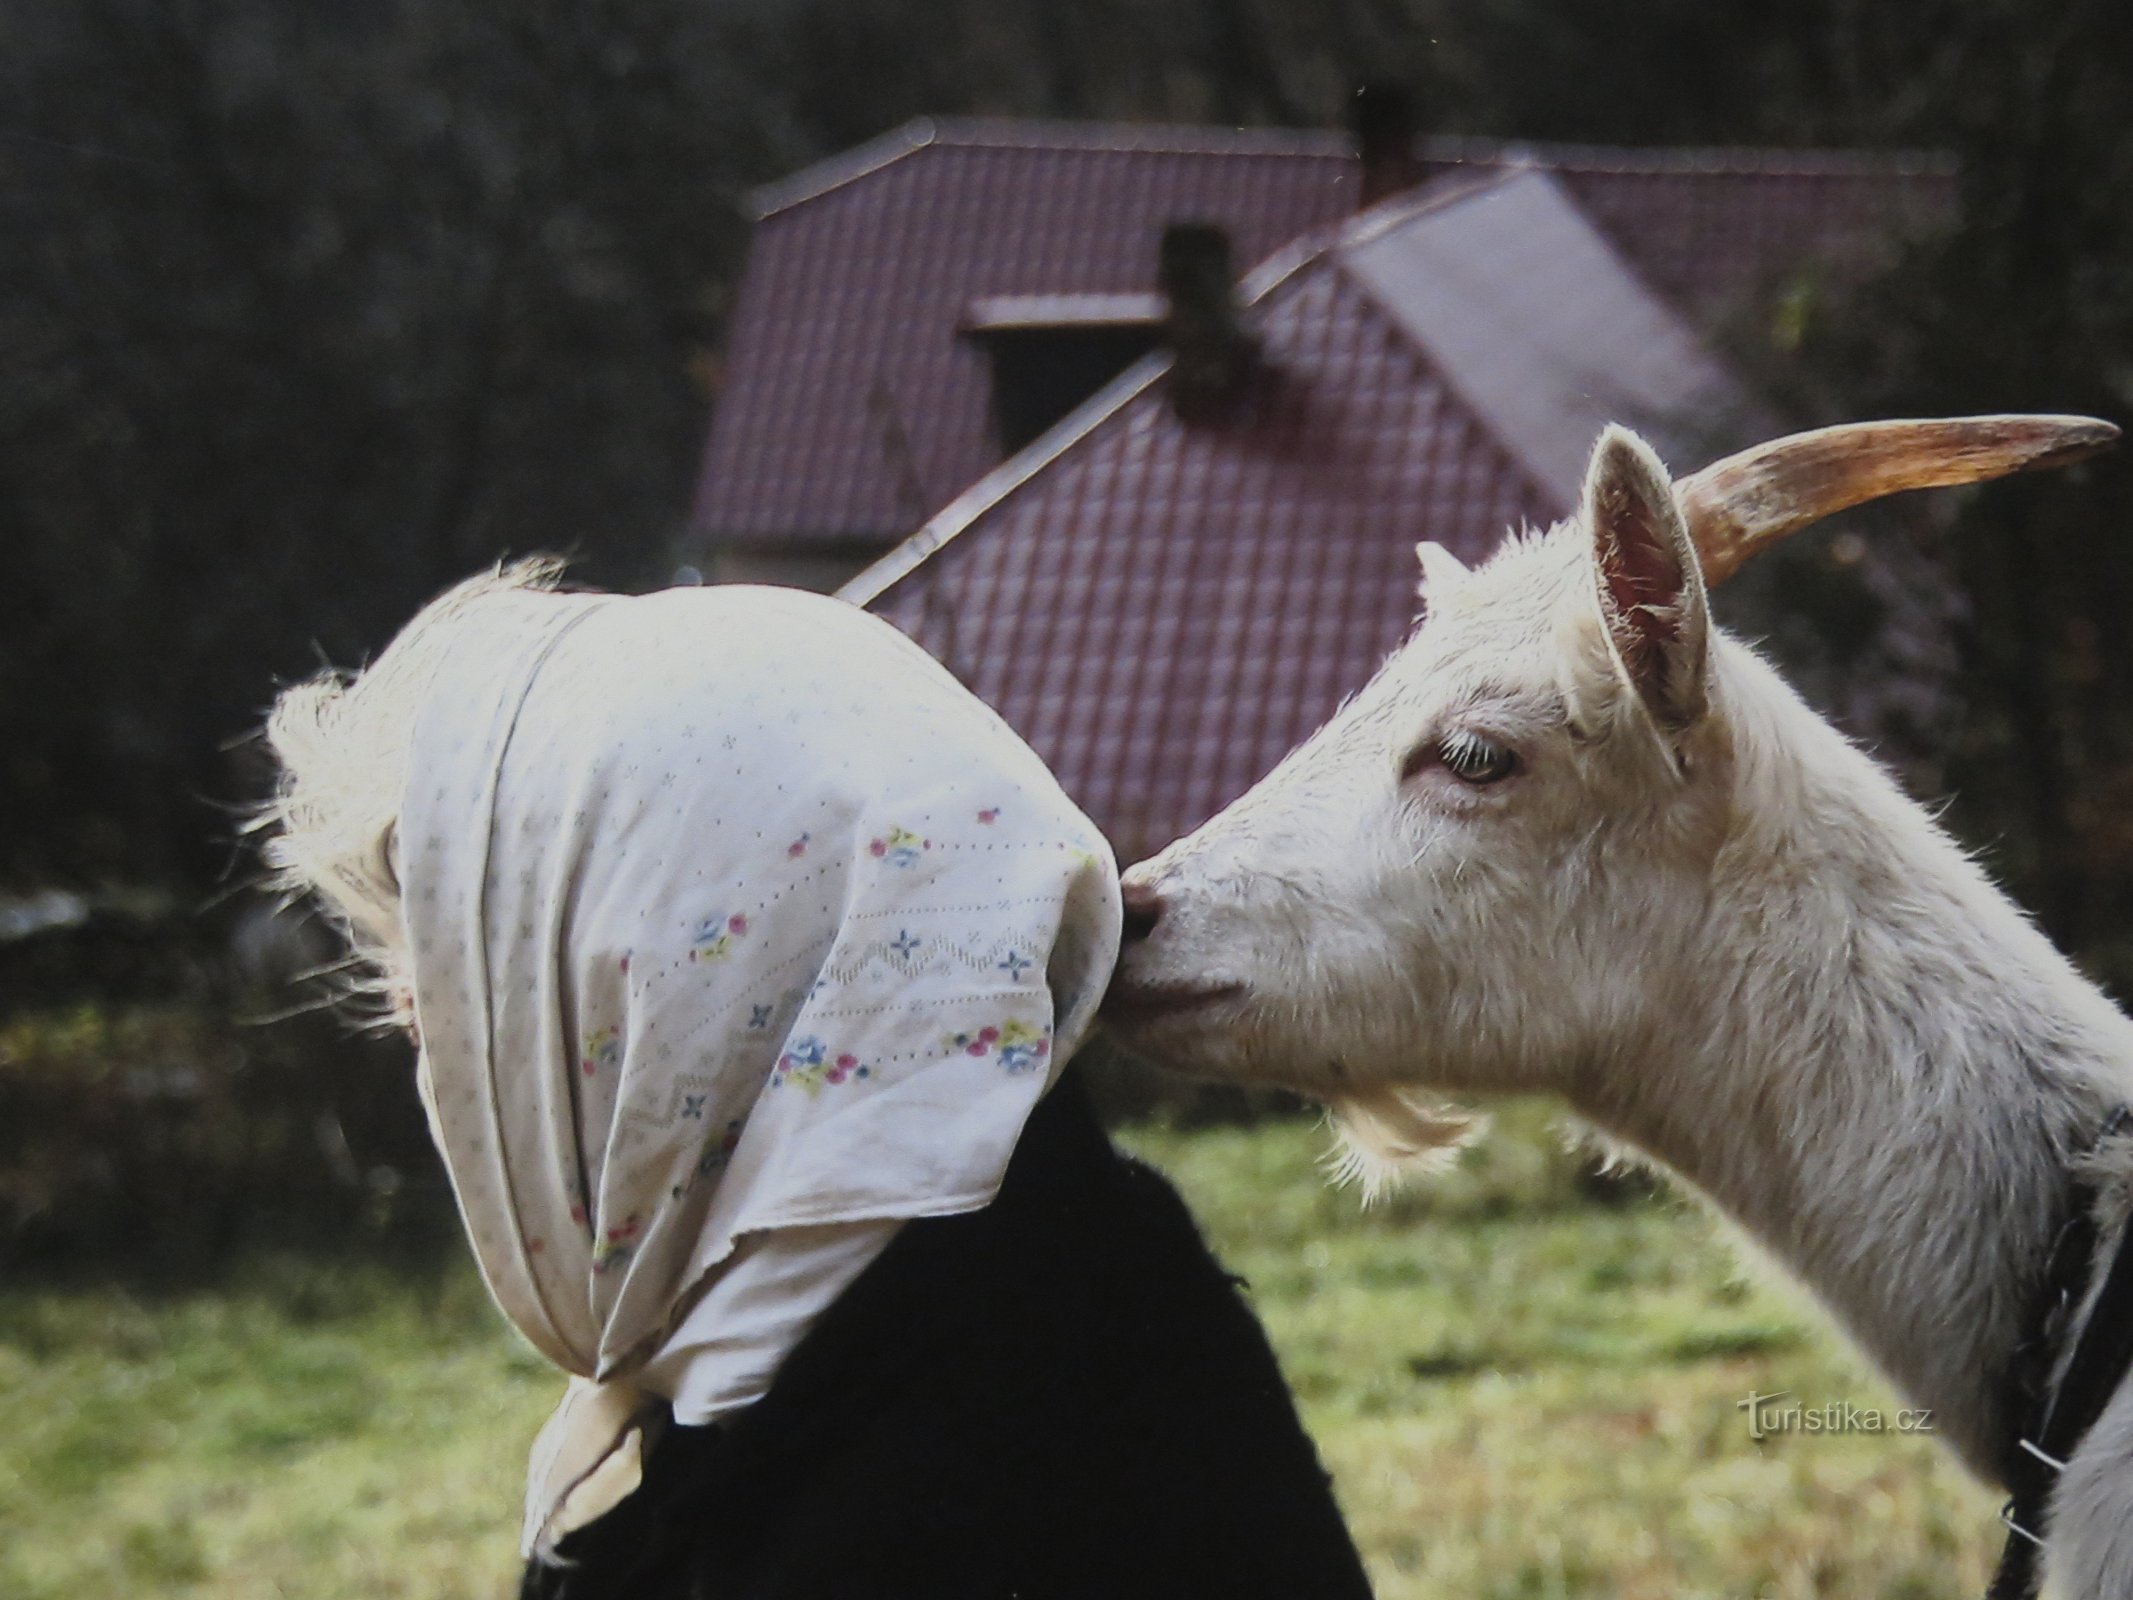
[1523, 1391]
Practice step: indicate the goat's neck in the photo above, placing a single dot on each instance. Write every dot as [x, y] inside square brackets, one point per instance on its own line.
[1890, 1073]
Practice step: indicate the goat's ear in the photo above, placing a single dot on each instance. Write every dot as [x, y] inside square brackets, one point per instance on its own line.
[1650, 588]
[1441, 571]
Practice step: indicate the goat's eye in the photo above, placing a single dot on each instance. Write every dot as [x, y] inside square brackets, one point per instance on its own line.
[1475, 758]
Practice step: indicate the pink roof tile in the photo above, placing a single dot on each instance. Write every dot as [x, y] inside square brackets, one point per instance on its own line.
[849, 408]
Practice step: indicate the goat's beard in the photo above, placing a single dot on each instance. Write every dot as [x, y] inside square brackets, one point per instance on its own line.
[1391, 1133]
[1385, 1132]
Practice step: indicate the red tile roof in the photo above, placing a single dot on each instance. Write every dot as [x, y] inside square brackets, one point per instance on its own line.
[850, 410]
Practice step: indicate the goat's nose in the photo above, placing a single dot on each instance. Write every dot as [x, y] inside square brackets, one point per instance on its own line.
[1143, 906]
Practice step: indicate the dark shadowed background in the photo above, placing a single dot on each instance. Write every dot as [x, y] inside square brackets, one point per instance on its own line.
[305, 312]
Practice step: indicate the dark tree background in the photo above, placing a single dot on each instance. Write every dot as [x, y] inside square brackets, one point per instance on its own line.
[306, 310]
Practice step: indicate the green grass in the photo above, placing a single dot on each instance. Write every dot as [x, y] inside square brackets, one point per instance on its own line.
[1523, 1391]
[300, 1432]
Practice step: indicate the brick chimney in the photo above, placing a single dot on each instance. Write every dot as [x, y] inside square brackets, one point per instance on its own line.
[1212, 353]
[1382, 116]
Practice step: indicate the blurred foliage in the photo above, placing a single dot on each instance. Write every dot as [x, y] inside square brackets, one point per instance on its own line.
[310, 310]
[2029, 307]
[159, 1140]
[305, 313]
[307, 310]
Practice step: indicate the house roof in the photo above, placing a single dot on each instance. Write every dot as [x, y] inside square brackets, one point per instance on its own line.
[1546, 329]
[1162, 609]
[849, 410]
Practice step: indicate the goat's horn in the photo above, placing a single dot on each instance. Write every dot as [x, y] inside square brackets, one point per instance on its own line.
[1736, 506]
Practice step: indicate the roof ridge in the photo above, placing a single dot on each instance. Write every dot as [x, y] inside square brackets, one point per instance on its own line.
[1001, 482]
[834, 172]
[1291, 257]
[1165, 138]
[1215, 139]
[1771, 160]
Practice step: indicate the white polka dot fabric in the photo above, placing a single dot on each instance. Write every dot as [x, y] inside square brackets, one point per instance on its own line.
[741, 932]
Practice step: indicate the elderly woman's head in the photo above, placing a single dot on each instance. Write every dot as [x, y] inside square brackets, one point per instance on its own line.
[734, 932]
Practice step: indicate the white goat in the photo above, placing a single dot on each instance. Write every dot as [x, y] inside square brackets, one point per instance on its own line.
[1574, 838]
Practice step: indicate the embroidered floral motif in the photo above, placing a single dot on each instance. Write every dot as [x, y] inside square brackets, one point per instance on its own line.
[1015, 963]
[905, 942]
[603, 1048]
[759, 1016]
[900, 847]
[1018, 1045]
[692, 1105]
[617, 1244]
[798, 847]
[714, 936]
[989, 815]
[809, 1063]
[1023, 1047]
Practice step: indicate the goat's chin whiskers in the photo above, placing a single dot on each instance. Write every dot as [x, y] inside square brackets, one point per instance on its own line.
[1345, 1166]
[1385, 1136]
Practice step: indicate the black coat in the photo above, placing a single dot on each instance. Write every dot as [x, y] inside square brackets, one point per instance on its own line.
[1060, 1397]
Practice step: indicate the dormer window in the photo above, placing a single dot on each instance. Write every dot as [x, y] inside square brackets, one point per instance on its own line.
[1050, 352]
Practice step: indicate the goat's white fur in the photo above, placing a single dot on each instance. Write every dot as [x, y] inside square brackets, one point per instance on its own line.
[1725, 936]
[341, 743]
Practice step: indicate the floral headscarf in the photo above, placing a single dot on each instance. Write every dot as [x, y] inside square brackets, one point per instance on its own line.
[739, 932]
